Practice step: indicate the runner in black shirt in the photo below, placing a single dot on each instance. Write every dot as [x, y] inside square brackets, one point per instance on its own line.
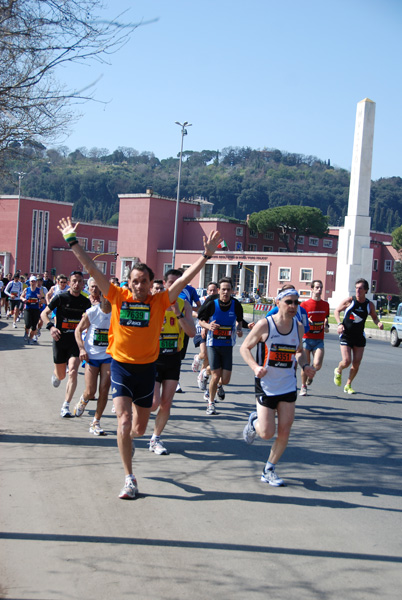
[70, 306]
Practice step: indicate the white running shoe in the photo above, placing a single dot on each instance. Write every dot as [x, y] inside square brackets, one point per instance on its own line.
[202, 380]
[130, 489]
[211, 409]
[269, 476]
[303, 390]
[96, 429]
[80, 407]
[157, 447]
[55, 381]
[249, 431]
[15, 325]
[65, 411]
[196, 363]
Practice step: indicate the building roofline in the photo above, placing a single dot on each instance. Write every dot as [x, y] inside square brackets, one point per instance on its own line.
[249, 253]
[153, 195]
[12, 197]
[94, 224]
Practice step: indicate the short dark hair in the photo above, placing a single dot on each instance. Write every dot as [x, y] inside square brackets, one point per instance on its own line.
[365, 283]
[316, 281]
[225, 280]
[174, 272]
[158, 281]
[140, 266]
[212, 283]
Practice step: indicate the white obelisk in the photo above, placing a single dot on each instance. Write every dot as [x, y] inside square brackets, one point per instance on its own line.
[355, 257]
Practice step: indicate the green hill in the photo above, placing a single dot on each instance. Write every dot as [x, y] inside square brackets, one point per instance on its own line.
[238, 181]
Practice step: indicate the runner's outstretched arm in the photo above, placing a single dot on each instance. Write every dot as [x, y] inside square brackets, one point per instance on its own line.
[210, 246]
[69, 233]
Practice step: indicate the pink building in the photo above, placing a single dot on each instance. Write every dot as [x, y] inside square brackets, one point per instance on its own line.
[146, 229]
[31, 242]
[30, 239]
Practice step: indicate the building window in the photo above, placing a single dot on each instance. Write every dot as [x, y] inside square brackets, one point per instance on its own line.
[113, 268]
[208, 270]
[252, 247]
[300, 239]
[284, 274]
[375, 264]
[221, 271]
[101, 265]
[253, 234]
[388, 266]
[282, 250]
[239, 230]
[98, 245]
[313, 241]
[267, 248]
[263, 279]
[185, 266]
[239, 247]
[83, 242]
[269, 235]
[327, 244]
[304, 294]
[306, 274]
[166, 267]
[112, 246]
[39, 240]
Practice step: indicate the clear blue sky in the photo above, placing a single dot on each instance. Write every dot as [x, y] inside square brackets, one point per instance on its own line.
[284, 74]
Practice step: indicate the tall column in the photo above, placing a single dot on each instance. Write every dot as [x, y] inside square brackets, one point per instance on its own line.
[355, 257]
[242, 280]
[256, 278]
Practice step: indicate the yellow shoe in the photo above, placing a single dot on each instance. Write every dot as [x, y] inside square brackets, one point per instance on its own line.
[348, 389]
[337, 378]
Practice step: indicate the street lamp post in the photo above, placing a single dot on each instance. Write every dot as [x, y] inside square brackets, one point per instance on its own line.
[183, 133]
[20, 177]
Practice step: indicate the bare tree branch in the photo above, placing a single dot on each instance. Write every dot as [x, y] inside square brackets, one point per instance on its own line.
[36, 37]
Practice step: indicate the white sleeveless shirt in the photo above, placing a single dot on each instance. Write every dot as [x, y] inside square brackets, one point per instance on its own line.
[278, 355]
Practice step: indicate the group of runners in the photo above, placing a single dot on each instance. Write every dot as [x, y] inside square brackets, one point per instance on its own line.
[132, 338]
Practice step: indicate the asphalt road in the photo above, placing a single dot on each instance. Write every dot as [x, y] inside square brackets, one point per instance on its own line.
[204, 525]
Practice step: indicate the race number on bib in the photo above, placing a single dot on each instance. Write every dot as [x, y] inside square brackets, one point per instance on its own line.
[101, 337]
[135, 314]
[281, 355]
[168, 342]
[223, 333]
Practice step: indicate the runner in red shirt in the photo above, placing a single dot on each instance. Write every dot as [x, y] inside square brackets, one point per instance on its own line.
[313, 341]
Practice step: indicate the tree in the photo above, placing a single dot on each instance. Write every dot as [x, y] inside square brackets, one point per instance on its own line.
[398, 275]
[290, 222]
[397, 238]
[36, 37]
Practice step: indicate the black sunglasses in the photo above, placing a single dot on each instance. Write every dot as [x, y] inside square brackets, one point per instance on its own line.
[289, 302]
